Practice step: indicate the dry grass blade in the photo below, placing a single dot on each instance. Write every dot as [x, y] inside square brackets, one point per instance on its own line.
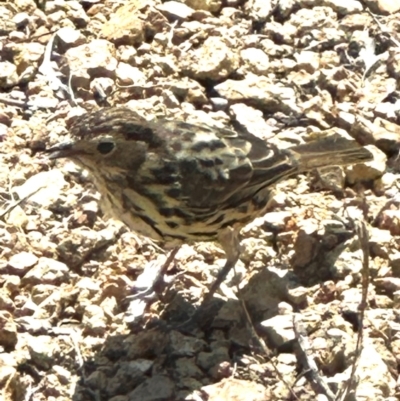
[362, 232]
[317, 382]
[261, 344]
[18, 202]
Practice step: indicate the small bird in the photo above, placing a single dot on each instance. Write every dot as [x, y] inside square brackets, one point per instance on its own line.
[178, 182]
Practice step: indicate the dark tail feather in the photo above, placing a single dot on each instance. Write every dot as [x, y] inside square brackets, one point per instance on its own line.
[330, 151]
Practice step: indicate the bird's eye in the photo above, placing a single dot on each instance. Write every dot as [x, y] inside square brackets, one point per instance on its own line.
[105, 147]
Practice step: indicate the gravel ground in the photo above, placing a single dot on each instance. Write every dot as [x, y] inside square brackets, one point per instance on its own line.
[288, 71]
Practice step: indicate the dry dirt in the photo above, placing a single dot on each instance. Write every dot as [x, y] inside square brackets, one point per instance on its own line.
[288, 71]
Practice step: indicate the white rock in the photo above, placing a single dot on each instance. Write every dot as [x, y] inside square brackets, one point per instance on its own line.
[279, 329]
[128, 75]
[370, 170]
[176, 9]
[256, 59]
[42, 189]
[23, 261]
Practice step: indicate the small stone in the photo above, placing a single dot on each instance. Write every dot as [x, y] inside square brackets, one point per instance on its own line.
[42, 189]
[277, 221]
[279, 329]
[211, 6]
[259, 10]
[337, 333]
[345, 7]
[256, 59]
[128, 75]
[219, 103]
[234, 389]
[46, 271]
[207, 360]
[94, 320]
[384, 7]
[91, 60]
[21, 262]
[69, 37]
[214, 60]
[21, 20]
[385, 183]
[63, 375]
[8, 374]
[307, 61]
[8, 75]
[8, 332]
[157, 388]
[182, 345]
[42, 351]
[389, 284]
[125, 26]
[259, 91]
[369, 170]
[176, 10]
[11, 283]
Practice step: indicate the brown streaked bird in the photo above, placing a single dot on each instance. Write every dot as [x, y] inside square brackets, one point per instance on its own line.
[178, 182]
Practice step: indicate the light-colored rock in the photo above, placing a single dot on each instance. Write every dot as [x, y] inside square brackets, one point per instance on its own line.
[260, 10]
[344, 7]
[215, 60]
[385, 183]
[8, 332]
[95, 59]
[69, 37]
[46, 271]
[63, 375]
[128, 75]
[176, 9]
[383, 6]
[375, 378]
[125, 25]
[8, 75]
[94, 320]
[261, 92]
[279, 329]
[234, 389]
[256, 60]
[21, 262]
[42, 189]
[42, 351]
[307, 61]
[252, 119]
[212, 6]
[369, 170]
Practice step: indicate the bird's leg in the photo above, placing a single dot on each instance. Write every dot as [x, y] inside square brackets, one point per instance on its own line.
[152, 276]
[229, 240]
[147, 286]
[164, 267]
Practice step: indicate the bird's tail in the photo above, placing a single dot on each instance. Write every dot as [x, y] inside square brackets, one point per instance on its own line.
[334, 150]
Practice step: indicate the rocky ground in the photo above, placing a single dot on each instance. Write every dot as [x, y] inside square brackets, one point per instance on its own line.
[287, 71]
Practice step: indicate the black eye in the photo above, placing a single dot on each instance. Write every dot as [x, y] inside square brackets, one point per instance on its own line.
[105, 147]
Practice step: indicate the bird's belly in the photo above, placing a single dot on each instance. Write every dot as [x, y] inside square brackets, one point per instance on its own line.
[173, 221]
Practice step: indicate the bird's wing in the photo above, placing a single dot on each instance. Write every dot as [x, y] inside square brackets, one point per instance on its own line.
[216, 164]
[209, 169]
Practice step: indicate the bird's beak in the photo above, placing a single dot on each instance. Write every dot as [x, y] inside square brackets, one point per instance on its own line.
[61, 150]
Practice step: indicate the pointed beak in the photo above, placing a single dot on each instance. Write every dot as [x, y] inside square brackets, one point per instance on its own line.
[62, 150]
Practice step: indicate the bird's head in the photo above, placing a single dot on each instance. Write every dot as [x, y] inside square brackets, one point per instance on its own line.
[111, 139]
